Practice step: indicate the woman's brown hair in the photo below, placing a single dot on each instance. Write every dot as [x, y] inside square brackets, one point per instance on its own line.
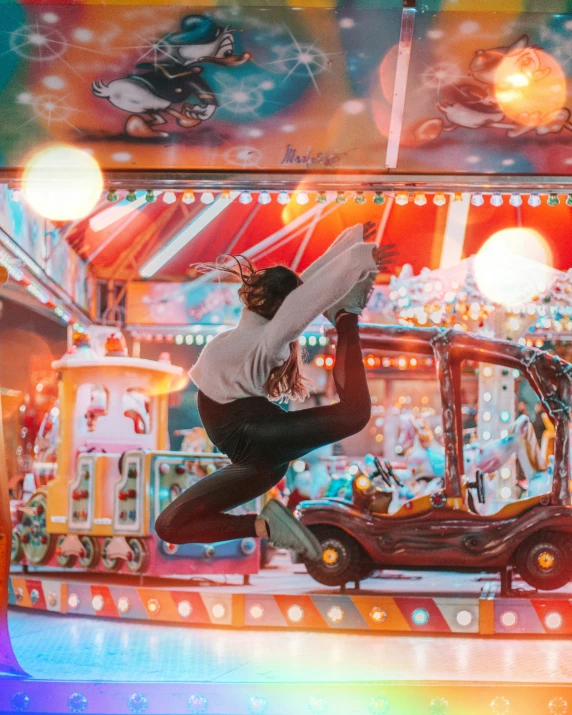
[263, 291]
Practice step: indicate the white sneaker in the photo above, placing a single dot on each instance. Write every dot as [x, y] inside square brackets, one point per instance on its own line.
[286, 532]
[355, 301]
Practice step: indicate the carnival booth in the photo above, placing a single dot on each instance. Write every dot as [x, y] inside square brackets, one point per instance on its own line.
[140, 142]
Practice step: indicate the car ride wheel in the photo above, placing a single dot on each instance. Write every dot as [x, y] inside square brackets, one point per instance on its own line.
[16, 550]
[139, 556]
[90, 552]
[342, 558]
[544, 561]
[108, 563]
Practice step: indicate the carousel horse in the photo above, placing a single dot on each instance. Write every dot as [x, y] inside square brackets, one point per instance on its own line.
[427, 457]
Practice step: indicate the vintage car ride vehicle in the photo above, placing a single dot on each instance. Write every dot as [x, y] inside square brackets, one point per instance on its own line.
[443, 530]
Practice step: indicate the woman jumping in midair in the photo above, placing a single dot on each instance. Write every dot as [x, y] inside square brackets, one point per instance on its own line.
[241, 374]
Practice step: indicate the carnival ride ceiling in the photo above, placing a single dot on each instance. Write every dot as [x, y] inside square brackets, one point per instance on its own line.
[295, 235]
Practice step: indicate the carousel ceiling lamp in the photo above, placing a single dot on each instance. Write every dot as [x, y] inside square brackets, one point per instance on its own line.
[169, 197]
[379, 198]
[321, 198]
[62, 183]
[112, 196]
[553, 200]
[283, 198]
[105, 218]
[477, 199]
[207, 197]
[359, 198]
[264, 198]
[150, 196]
[341, 198]
[497, 199]
[420, 199]
[515, 200]
[534, 200]
[204, 218]
[302, 198]
[245, 197]
[402, 198]
[569, 200]
[188, 197]
[439, 199]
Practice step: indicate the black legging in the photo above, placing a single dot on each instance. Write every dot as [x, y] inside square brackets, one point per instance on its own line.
[262, 439]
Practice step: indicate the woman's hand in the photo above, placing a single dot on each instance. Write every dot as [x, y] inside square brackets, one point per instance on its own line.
[384, 256]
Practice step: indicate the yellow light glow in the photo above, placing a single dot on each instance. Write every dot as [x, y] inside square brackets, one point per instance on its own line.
[530, 87]
[362, 483]
[512, 264]
[62, 183]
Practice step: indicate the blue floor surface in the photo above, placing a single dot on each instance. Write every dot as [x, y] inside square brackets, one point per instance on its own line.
[73, 648]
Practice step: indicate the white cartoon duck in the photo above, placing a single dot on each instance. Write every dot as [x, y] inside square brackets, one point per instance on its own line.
[151, 93]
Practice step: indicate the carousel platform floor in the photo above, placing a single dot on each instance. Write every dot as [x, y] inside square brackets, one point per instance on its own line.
[113, 664]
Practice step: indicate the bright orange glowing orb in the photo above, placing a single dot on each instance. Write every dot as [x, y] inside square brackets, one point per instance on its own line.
[62, 183]
[530, 87]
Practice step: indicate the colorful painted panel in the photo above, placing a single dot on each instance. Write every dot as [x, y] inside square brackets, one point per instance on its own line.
[489, 93]
[158, 87]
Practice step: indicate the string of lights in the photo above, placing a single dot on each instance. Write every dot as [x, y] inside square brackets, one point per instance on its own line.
[304, 197]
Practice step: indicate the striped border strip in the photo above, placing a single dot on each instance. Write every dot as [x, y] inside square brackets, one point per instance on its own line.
[487, 615]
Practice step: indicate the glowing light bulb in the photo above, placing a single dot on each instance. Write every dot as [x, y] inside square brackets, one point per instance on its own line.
[218, 610]
[420, 616]
[185, 609]
[553, 200]
[62, 183]
[245, 197]
[439, 199]
[377, 614]
[302, 198]
[336, 614]
[477, 199]
[207, 197]
[150, 196]
[264, 198]
[420, 199]
[497, 199]
[97, 603]
[553, 620]
[515, 200]
[295, 614]
[283, 198]
[112, 196]
[379, 198]
[509, 619]
[257, 612]
[464, 618]
[530, 258]
[188, 197]
[359, 198]
[321, 198]
[534, 200]
[169, 197]
[340, 198]
[402, 198]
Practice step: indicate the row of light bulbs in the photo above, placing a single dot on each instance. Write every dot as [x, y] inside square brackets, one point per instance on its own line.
[419, 198]
[402, 198]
